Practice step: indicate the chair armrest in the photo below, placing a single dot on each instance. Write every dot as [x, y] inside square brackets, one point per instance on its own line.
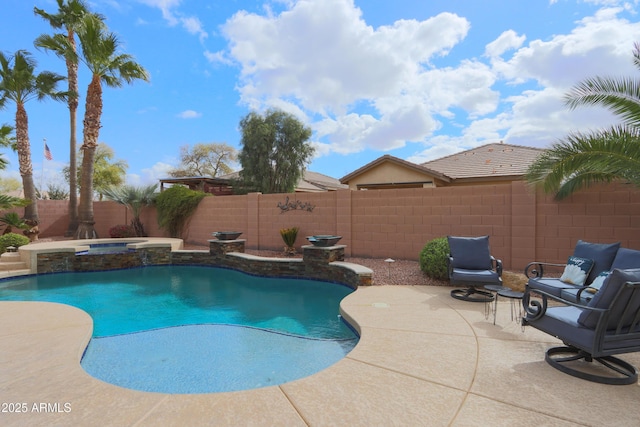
[581, 290]
[536, 269]
[534, 309]
[497, 265]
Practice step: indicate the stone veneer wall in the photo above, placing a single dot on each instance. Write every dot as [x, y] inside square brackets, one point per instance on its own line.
[317, 263]
[57, 262]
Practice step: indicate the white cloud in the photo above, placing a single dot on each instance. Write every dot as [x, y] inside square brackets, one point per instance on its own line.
[322, 56]
[599, 45]
[151, 175]
[193, 25]
[506, 41]
[168, 9]
[189, 114]
[165, 7]
[361, 87]
[217, 57]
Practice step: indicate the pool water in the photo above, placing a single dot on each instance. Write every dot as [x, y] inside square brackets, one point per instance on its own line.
[106, 248]
[191, 329]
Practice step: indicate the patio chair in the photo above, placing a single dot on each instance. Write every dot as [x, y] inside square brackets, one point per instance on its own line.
[608, 325]
[471, 264]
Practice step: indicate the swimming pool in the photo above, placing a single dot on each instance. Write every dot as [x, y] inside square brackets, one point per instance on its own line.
[194, 329]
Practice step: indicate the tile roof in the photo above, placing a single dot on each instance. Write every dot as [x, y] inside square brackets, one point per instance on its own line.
[490, 160]
[310, 181]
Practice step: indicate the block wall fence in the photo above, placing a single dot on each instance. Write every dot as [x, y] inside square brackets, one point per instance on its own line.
[523, 226]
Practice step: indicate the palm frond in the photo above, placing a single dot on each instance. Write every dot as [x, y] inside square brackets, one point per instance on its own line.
[8, 202]
[582, 159]
[621, 96]
[58, 44]
[636, 54]
[135, 198]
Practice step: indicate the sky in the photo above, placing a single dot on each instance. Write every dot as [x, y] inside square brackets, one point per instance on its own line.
[415, 79]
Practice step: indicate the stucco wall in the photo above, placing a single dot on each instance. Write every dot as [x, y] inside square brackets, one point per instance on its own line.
[397, 223]
[391, 173]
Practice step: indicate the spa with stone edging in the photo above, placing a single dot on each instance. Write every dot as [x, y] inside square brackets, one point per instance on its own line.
[320, 263]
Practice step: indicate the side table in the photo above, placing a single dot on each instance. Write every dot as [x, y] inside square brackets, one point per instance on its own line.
[515, 297]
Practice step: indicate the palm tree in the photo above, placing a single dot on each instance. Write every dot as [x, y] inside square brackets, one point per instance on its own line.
[606, 155]
[99, 53]
[11, 220]
[19, 84]
[70, 16]
[135, 199]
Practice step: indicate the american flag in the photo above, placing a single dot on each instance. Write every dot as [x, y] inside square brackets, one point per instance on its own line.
[47, 152]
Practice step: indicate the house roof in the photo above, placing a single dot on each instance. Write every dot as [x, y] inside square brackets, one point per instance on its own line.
[310, 182]
[487, 161]
[194, 180]
[396, 160]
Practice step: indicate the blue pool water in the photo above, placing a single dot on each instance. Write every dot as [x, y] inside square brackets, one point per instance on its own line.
[179, 329]
[105, 248]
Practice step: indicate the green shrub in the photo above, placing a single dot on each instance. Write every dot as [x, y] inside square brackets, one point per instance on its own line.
[175, 205]
[433, 259]
[12, 239]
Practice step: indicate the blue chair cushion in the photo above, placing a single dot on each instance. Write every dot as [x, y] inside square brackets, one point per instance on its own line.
[550, 285]
[572, 295]
[461, 275]
[563, 322]
[470, 253]
[626, 259]
[602, 255]
[605, 296]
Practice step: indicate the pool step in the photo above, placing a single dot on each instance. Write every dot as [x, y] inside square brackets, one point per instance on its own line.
[10, 261]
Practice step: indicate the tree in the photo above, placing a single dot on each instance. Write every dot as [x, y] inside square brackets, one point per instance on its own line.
[209, 160]
[135, 199]
[100, 54]
[19, 84]
[56, 192]
[606, 155]
[70, 17]
[274, 152]
[9, 185]
[105, 172]
[6, 140]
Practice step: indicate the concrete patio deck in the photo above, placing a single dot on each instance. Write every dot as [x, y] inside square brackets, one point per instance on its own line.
[424, 359]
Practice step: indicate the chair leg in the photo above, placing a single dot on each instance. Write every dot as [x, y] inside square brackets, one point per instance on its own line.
[472, 295]
[627, 373]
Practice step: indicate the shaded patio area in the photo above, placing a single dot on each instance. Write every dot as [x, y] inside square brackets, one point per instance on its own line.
[424, 358]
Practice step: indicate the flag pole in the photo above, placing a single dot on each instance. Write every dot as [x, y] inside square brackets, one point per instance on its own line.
[44, 147]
